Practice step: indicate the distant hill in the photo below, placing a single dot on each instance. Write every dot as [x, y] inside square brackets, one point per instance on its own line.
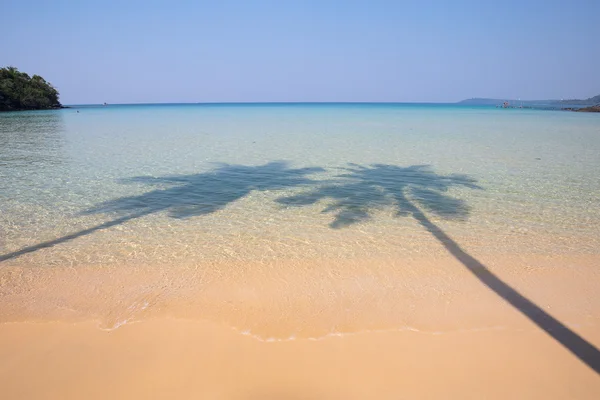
[495, 102]
[591, 101]
[492, 102]
[19, 91]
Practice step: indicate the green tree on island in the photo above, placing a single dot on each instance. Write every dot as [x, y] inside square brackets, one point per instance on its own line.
[19, 91]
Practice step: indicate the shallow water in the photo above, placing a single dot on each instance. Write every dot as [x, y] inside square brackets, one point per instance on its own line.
[184, 171]
[185, 185]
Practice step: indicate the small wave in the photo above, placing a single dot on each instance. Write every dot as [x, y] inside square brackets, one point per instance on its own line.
[131, 311]
[329, 335]
[116, 326]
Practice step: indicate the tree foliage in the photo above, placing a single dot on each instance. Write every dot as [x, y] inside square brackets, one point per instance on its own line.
[19, 91]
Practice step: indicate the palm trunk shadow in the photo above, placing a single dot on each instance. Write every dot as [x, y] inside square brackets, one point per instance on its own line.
[66, 238]
[578, 346]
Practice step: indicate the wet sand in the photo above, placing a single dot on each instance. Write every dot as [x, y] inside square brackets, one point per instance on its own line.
[168, 358]
[312, 329]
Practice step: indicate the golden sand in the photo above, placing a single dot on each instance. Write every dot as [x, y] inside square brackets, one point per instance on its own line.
[167, 358]
[287, 329]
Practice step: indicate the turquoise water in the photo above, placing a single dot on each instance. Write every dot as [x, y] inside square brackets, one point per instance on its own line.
[106, 185]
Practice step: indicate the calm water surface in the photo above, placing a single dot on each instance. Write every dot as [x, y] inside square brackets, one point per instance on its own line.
[195, 182]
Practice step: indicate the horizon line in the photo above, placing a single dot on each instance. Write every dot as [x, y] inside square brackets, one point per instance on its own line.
[261, 102]
[318, 102]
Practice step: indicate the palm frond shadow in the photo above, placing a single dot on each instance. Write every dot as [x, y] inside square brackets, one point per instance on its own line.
[185, 196]
[414, 191]
[361, 190]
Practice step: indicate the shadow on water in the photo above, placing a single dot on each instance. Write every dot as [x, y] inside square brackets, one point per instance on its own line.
[353, 196]
[186, 196]
[412, 191]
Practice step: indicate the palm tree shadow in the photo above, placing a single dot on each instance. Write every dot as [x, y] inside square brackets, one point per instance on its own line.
[410, 190]
[185, 196]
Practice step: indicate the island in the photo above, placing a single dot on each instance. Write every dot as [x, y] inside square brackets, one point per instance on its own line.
[587, 105]
[592, 101]
[19, 91]
[595, 108]
[591, 104]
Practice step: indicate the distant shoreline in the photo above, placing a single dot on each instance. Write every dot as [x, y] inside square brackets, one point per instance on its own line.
[513, 105]
[591, 109]
[35, 109]
[563, 104]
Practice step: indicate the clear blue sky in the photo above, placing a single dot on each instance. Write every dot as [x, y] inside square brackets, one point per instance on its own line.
[130, 51]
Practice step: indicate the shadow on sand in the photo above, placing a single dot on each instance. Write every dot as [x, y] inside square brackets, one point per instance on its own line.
[186, 196]
[411, 191]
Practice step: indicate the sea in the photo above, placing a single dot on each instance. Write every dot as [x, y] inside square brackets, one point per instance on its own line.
[233, 188]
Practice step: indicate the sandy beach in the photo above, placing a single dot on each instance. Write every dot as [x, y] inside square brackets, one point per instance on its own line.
[168, 358]
[453, 338]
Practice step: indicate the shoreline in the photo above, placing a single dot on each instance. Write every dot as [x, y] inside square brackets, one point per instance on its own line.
[305, 298]
[590, 109]
[170, 358]
[36, 109]
[354, 328]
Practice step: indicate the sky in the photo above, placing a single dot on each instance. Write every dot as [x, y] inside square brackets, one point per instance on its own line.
[129, 51]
